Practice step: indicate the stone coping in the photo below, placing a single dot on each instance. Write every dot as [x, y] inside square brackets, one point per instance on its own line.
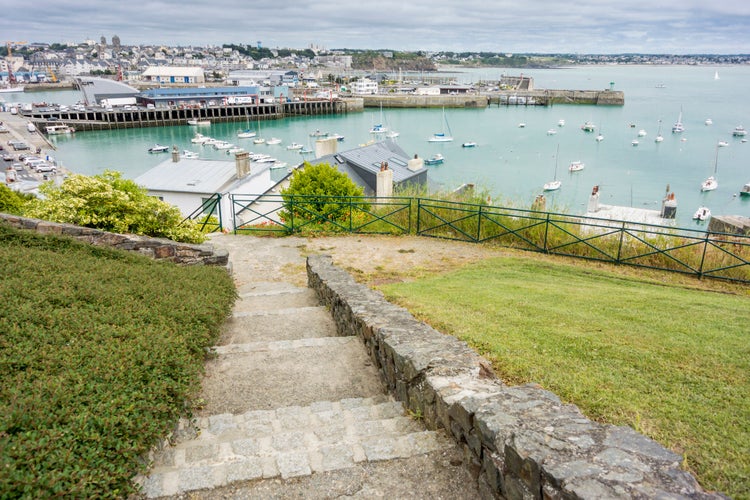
[156, 248]
[522, 442]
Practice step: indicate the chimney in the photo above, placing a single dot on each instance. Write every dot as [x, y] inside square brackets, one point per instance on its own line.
[593, 205]
[384, 182]
[242, 162]
[415, 163]
[175, 154]
[326, 146]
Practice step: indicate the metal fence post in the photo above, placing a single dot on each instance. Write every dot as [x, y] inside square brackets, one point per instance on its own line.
[546, 228]
[479, 225]
[419, 211]
[703, 257]
[619, 246]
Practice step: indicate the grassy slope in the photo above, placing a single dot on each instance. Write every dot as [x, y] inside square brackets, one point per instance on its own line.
[98, 352]
[672, 362]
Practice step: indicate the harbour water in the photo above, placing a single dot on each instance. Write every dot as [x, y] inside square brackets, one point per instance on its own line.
[513, 162]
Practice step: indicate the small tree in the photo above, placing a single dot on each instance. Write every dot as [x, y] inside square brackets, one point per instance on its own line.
[111, 203]
[12, 202]
[320, 193]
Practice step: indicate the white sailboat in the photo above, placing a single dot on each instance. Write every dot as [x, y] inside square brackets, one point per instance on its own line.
[659, 137]
[554, 184]
[442, 136]
[711, 183]
[678, 127]
[716, 75]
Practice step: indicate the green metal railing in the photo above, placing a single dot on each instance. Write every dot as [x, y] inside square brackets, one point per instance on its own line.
[208, 215]
[682, 250]
[274, 213]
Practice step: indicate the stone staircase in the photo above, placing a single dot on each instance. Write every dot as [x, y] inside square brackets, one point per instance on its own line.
[284, 397]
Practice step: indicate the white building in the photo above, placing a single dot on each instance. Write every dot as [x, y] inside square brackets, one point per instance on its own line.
[427, 91]
[364, 86]
[189, 183]
[173, 74]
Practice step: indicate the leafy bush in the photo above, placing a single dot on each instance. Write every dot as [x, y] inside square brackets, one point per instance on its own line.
[322, 194]
[12, 202]
[99, 352]
[111, 203]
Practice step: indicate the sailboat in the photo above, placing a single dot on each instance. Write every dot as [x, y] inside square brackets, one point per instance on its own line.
[259, 139]
[379, 128]
[678, 127]
[600, 135]
[716, 75]
[247, 133]
[554, 184]
[711, 183]
[442, 136]
[659, 137]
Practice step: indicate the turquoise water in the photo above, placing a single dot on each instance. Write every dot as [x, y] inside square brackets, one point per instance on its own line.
[513, 163]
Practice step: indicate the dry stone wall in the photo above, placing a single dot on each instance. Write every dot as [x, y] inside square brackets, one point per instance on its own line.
[156, 248]
[522, 442]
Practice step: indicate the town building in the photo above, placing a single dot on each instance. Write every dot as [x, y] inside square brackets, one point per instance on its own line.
[166, 75]
[364, 86]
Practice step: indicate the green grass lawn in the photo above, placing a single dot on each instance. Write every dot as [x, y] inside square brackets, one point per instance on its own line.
[99, 352]
[670, 361]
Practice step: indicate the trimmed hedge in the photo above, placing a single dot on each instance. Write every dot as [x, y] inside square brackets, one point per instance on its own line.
[99, 352]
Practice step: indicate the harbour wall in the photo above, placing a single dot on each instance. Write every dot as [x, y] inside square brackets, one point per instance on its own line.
[522, 441]
[507, 98]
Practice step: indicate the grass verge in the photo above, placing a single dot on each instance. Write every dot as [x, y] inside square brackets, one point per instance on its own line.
[99, 352]
[670, 361]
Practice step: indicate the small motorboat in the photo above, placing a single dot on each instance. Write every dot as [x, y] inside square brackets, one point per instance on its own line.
[723, 144]
[588, 127]
[521, 125]
[435, 159]
[551, 131]
[158, 148]
[702, 214]
[641, 133]
[634, 142]
[470, 144]
[709, 121]
[246, 134]
[745, 191]
[576, 166]
[295, 145]
[739, 131]
[561, 123]
[189, 155]
[199, 122]
[552, 185]
[273, 140]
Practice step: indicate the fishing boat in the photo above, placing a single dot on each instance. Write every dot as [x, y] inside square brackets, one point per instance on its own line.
[702, 214]
[561, 122]
[588, 127]
[739, 131]
[554, 184]
[711, 183]
[59, 129]
[435, 159]
[442, 136]
[576, 166]
[678, 127]
[319, 134]
[745, 191]
[199, 122]
[158, 148]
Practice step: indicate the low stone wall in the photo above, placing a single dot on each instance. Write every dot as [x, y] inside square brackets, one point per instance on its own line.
[156, 248]
[522, 441]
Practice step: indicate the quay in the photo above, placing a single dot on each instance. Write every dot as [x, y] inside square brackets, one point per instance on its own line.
[119, 118]
[499, 98]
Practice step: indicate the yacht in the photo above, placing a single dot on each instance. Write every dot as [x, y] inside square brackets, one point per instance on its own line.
[576, 166]
[158, 148]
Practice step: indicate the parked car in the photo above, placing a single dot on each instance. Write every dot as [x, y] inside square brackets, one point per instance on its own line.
[45, 167]
[8, 157]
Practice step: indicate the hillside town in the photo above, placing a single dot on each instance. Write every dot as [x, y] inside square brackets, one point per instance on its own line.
[42, 63]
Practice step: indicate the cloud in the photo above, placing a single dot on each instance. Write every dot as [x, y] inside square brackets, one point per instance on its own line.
[587, 26]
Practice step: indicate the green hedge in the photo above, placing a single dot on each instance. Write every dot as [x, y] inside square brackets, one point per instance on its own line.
[99, 352]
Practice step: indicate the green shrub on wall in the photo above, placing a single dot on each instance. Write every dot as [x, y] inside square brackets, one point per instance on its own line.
[111, 203]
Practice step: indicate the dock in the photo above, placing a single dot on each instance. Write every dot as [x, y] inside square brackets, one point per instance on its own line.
[119, 118]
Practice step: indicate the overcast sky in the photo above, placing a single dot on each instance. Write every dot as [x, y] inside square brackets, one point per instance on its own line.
[583, 26]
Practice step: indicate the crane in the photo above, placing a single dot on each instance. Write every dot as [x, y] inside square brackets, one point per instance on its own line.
[8, 44]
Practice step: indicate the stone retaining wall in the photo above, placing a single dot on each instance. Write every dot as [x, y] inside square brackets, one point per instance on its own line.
[522, 441]
[156, 248]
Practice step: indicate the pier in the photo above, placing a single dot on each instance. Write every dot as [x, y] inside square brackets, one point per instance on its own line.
[119, 118]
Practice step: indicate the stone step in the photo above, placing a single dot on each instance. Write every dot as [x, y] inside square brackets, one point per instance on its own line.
[282, 324]
[268, 301]
[287, 442]
[266, 375]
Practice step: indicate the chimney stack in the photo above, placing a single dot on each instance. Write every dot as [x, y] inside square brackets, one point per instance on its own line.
[175, 154]
[415, 164]
[384, 181]
[242, 162]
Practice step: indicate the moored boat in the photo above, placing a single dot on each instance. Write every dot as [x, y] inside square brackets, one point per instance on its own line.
[588, 127]
[745, 191]
[576, 166]
[435, 159]
[158, 148]
[273, 140]
[59, 129]
[702, 213]
[469, 144]
[739, 131]
[198, 122]
[246, 134]
[295, 145]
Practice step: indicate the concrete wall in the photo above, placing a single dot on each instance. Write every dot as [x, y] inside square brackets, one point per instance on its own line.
[522, 442]
[156, 248]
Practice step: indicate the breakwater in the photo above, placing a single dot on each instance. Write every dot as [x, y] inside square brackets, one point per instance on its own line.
[499, 98]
